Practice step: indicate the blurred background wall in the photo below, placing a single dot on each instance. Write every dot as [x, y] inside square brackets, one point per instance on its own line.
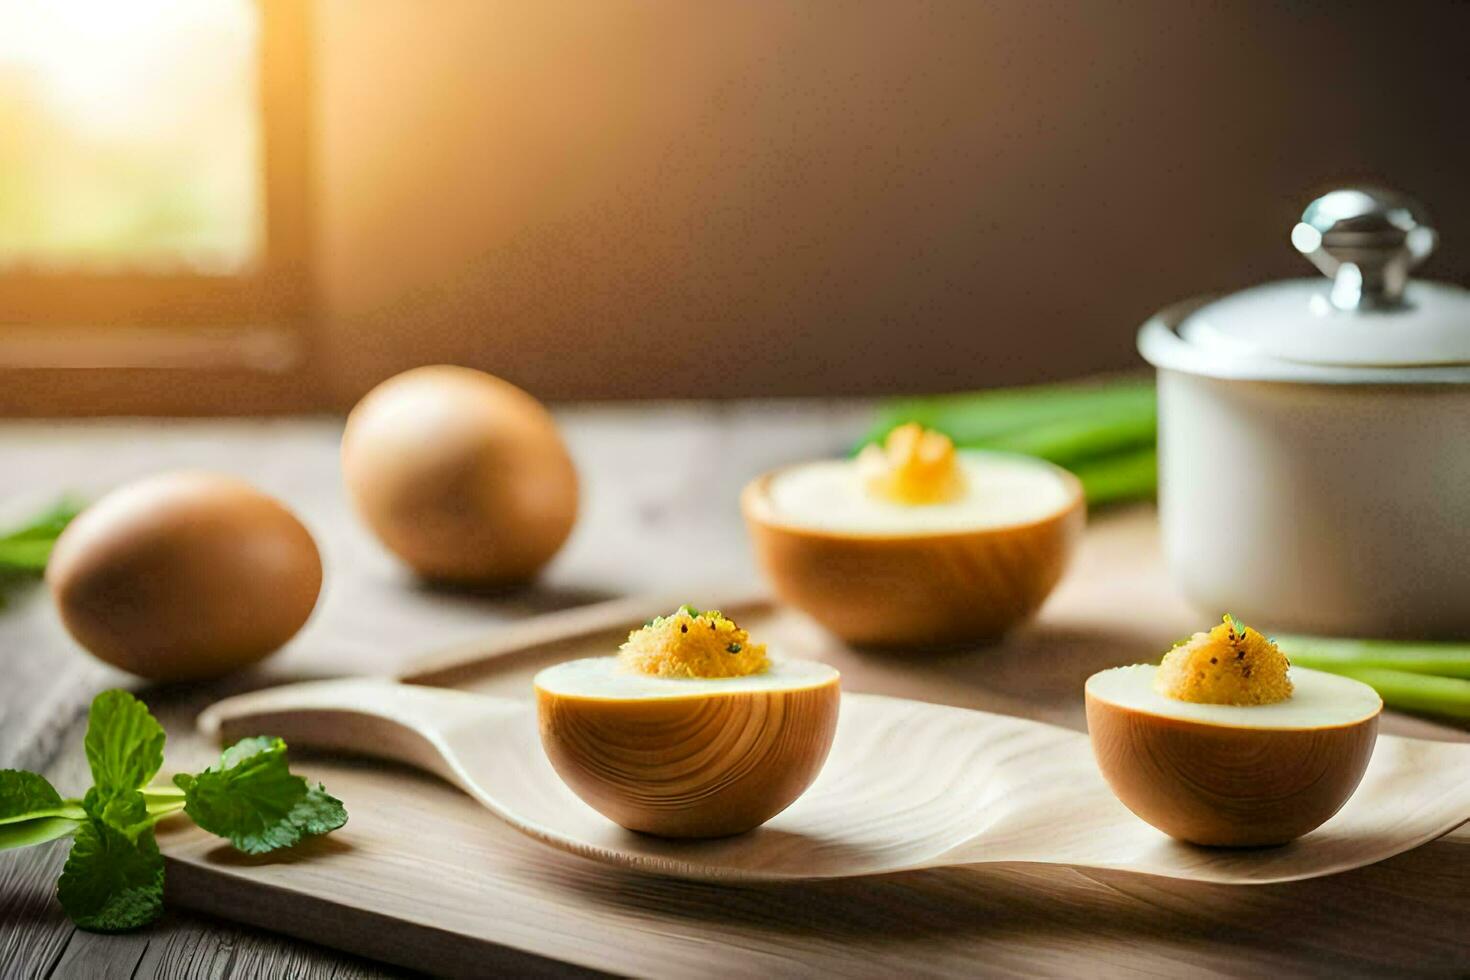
[625, 199]
[648, 198]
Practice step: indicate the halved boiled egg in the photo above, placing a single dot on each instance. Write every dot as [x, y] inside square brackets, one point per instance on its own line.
[914, 543]
[1225, 744]
[691, 730]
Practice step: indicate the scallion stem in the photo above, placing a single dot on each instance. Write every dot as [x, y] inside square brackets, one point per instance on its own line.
[974, 419]
[1445, 697]
[1119, 478]
[1329, 653]
[1104, 431]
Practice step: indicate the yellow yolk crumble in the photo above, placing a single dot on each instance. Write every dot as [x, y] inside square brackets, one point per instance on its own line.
[1231, 664]
[690, 643]
[914, 465]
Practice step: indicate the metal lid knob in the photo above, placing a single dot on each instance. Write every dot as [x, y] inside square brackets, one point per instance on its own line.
[1366, 240]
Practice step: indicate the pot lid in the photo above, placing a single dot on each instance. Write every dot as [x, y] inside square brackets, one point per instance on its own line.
[1366, 315]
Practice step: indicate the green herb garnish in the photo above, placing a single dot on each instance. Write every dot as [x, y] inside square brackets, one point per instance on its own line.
[1236, 626]
[25, 551]
[113, 881]
[113, 878]
[251, 798]
[734, 648]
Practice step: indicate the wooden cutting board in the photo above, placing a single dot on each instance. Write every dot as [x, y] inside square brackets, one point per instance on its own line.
[425, 878]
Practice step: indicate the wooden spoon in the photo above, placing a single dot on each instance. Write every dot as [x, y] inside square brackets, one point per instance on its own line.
[908, 785]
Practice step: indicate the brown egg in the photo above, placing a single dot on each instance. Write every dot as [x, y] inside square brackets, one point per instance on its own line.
[884, 575]
[1232, 775]
[184, 575]
[461, 475]
[687, 756]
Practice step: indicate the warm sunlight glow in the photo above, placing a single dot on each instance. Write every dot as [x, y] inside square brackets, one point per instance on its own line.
[129, 135]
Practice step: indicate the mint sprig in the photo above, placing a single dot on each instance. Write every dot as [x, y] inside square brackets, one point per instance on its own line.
[113, 878]
[251, 798]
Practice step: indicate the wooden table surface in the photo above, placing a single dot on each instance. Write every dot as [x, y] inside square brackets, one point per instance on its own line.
[660, 483]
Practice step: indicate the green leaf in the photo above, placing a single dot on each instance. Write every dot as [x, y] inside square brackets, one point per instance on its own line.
[24, 795]
[47, 525]
[124, 743]
[37, 830]
[122, 810]
[31, 811]
[251, 798]
[25, 550]
[25, 556]
[111, 882]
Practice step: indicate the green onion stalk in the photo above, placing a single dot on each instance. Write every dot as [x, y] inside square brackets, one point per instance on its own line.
[25, 551]
[1103, 431]
[1425, 678]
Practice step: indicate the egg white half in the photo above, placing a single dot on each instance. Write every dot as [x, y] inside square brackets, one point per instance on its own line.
[1001, 490]
[605, 678]
[1319, 700]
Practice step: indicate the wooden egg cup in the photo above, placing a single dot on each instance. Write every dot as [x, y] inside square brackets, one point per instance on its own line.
[907, 785]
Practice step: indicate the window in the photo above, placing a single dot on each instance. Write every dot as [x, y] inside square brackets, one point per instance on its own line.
[152, 168]
[132, 136]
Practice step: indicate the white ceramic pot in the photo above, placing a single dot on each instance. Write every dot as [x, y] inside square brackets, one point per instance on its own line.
[1314, 436]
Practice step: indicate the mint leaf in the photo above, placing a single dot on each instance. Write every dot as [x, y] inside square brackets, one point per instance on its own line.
[31, 811]
[47, 525]
[24, 795]
[125, 812]
[251, 798]
[25, 550]
[26, 556]
[36, 830]
[111, 881]
[124, 743]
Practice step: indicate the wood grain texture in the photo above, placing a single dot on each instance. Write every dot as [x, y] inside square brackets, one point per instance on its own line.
[371, 618]
[1233, 787]
[1410, 914]
[921, 590]
[908, 785]
[690, 767]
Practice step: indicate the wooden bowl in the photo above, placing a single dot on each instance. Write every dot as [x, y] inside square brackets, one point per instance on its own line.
[915, 590]
[701, 766]
[1224, 786]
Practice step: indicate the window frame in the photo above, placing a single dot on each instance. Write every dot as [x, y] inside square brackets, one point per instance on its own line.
[128, 326]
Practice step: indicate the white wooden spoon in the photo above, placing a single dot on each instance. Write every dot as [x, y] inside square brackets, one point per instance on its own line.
[908, 785]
